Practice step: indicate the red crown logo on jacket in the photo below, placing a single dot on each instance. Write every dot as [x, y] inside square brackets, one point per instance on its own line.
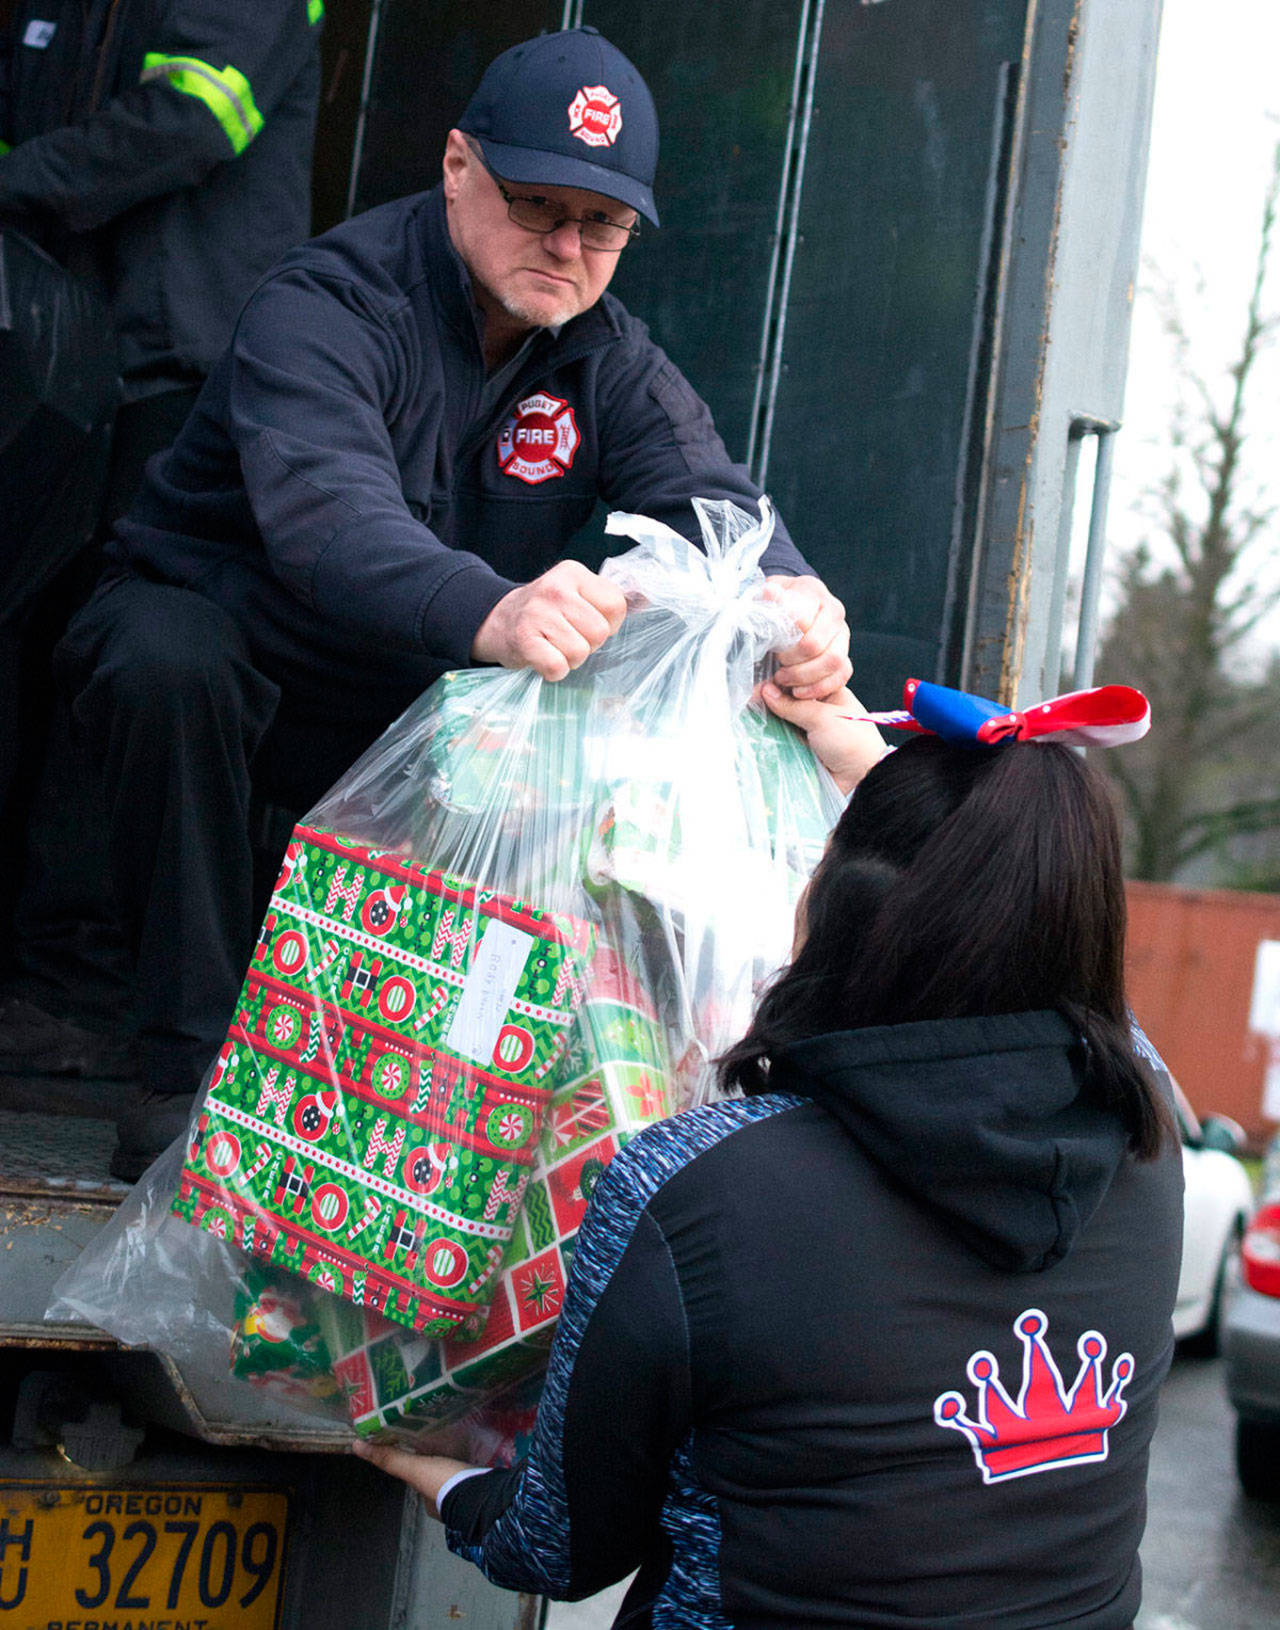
[1048, 1426]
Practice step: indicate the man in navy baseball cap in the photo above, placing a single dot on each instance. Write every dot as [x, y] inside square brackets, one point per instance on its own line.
[545, 177]
[382, 480]
[568, 110]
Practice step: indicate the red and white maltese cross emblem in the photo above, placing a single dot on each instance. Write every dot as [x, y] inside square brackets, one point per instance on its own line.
[595, 116]
[539, 440]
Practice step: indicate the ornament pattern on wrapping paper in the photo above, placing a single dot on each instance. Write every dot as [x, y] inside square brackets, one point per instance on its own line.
[341, 1079]
[540, 1290]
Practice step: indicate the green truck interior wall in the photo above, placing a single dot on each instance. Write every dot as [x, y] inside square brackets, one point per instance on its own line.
[826, 190]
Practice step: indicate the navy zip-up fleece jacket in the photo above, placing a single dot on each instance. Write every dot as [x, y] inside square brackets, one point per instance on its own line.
[878, 1350]
[342, 488]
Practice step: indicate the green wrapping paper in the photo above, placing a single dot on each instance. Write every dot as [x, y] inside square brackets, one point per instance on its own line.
[374, 1113]
[276, 1342]
[611, 1082]
[413, 1103]
[608, 792]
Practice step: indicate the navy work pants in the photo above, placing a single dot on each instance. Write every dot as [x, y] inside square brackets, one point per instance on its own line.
[186, 720]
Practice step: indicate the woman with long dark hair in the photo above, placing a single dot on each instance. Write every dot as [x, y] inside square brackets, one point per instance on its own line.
[879, 1341]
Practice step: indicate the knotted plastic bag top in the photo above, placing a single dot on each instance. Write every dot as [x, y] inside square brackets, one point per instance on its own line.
[721, 582]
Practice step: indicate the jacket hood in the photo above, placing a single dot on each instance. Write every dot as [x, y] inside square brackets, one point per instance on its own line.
[981, 1119]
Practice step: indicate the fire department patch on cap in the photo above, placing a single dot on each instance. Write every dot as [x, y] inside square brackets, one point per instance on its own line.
[539, 440]
[595, 116]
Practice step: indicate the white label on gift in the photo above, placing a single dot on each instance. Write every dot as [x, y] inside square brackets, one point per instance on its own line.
[39, 34]
[486, 997]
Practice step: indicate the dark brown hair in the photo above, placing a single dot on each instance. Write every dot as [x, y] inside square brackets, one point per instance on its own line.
[964, 881]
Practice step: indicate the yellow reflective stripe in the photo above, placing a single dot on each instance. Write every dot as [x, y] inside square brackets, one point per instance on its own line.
[315, 11]
[224, 91]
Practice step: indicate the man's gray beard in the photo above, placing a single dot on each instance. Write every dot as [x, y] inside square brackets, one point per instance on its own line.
[522, 314]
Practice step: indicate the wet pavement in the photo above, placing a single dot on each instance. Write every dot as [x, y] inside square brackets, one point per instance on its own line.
[1211, 1558]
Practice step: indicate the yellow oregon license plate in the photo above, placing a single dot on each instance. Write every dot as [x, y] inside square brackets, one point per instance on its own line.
[141, 1559]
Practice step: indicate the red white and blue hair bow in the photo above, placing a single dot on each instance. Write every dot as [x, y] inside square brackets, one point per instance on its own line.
[1107, 716]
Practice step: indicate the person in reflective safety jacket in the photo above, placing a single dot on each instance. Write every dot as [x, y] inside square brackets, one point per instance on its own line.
[160, 150]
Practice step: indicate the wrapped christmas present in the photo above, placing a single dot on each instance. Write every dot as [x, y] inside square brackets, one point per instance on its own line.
[373, 1115]
[415, 1001]
[592, 756]
[611, 1083]
[276, 1341]
[500, 1432]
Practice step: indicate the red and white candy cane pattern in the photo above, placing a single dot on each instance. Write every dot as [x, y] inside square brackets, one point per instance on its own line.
[492, 1263]
[554, 1054]
[328, 956]
[500, 1195]
[260, 1160]
[372, 1210]
[433, 1010]
[455, 939]
[340, 889]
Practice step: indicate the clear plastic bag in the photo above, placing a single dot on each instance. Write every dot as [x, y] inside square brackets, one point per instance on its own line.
[151, 1281]
[518, 929]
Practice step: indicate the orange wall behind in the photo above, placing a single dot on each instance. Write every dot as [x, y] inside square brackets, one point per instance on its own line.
[1190, 968]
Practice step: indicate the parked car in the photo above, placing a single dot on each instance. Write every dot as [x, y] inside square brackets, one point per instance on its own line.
[1216, 1207]
[1251, 1343]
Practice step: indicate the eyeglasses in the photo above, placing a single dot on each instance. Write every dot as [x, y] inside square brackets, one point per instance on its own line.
[540, 215]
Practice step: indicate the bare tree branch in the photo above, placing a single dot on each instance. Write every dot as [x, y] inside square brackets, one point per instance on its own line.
[1201, 782]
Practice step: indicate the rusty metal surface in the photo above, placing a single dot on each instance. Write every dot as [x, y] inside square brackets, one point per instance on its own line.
[57, 1158]
[1079, 163]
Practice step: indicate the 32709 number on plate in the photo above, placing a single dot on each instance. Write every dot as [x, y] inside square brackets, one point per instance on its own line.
[125, 1559]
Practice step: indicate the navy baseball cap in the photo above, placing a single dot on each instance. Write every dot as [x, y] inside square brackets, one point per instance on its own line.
[568, 110]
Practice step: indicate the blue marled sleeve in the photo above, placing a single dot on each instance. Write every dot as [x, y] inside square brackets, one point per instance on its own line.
[585, 1509]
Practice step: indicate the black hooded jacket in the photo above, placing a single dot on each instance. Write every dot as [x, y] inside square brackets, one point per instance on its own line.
[164, 146]
[880, 1349]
